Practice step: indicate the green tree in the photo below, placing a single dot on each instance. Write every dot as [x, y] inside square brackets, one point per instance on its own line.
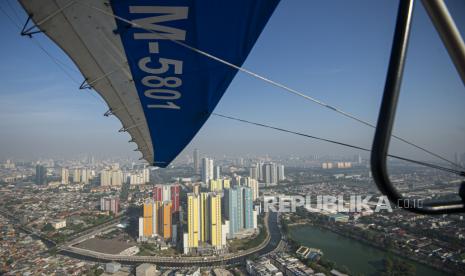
[47, 228]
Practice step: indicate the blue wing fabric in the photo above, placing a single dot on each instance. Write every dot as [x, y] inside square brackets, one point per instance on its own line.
[178, 87]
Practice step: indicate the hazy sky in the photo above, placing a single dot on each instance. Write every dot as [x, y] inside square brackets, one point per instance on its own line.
[336, 51]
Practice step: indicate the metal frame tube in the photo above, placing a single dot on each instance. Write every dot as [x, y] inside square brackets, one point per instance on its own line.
[386, 120]
[449, 33]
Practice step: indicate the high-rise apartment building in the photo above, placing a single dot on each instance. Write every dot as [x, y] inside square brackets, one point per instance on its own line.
[77, 175]
[64, 176]
[207, 170]
[216, 185]
[149, 219]
[247, 207]
[156, 219]
[175, 193]
[205, 223]
[157, 193]
[41, 175]
[253, 185]
[111, 177]
[204, 229]
[215, 225]
[238, 205]
[139, 177]
[165, 220]
[217, 172]
[281, 176]
[230, 206]
[253, 172]
[168, 193]
[110, 204]
[196, 161]
[116, 178]
[270, 174]
[193, 220]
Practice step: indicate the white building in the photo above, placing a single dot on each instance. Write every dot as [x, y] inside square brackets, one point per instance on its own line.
[58, 223]
[112, 267]
[253, 185]
[64, 176]
[111, 177]
[255, 219]
[270, 174]
[207, 169]
[76, 176]
[281, 175]
[224, 233]
[146, 270]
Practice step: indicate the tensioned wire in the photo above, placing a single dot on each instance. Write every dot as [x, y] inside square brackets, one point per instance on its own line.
[62, 66]
[277, 84]
[461, 173]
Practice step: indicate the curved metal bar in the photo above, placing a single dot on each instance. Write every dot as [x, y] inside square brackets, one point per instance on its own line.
[450, 34]
[386, 119]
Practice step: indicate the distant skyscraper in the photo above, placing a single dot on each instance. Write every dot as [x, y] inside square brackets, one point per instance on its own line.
[247, 201]
[166, 192]
[9, 165]
[41, 175]
[175, 192]
[270, 174]
[76, 175]
[85, 176]
[280, 170]
[165, 219]
[217, 172]
[253, 172]
[64, 176]
[261, 171]
[146, 175]
[207, 170]
[116, 178]
[158, 193]
[253, 185]
[111, 177]
[105, 178]
[196, 161]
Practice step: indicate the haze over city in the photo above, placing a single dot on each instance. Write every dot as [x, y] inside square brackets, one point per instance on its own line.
[319, 48]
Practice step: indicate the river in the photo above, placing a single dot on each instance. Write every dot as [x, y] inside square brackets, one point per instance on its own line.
[358, 257]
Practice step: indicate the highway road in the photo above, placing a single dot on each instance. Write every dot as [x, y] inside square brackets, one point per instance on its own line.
[270, 243]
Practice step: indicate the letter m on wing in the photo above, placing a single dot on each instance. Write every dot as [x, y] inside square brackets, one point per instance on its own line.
[153, 25]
